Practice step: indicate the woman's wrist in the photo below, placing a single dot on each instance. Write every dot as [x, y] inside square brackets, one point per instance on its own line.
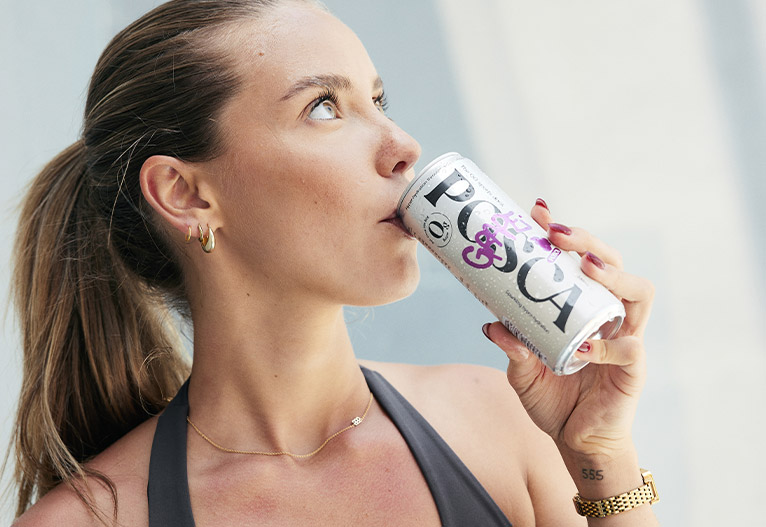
[601, 476]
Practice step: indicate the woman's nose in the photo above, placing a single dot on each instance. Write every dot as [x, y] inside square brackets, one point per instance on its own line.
[398, 151]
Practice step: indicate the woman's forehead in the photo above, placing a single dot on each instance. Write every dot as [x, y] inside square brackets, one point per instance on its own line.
[295, 42]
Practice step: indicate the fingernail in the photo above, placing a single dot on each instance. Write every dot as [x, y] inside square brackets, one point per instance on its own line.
[595, 260]
[585, 347]
[485, 330]
[542, 203]
[562, 229]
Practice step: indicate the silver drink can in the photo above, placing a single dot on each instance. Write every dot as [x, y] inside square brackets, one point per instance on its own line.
[505, 259]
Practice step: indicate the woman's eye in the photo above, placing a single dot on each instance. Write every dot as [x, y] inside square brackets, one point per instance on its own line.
[381, 103]
[324, 111]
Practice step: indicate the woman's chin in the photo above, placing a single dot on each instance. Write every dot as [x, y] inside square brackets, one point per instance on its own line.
[394, 289]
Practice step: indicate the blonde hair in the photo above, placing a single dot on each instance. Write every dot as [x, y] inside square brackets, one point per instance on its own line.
[94, 277]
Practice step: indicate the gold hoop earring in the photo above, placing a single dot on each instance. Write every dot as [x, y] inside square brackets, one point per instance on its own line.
[208, 242]
[189, 235]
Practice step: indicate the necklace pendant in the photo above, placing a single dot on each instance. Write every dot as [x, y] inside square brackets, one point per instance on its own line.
[356, 421]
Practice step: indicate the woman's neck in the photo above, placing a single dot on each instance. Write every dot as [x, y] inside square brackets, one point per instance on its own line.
[273, 376]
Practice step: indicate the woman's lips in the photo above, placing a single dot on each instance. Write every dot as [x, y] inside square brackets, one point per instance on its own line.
[396, 221]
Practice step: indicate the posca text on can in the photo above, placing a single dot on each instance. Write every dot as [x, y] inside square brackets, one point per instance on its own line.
[505, 259]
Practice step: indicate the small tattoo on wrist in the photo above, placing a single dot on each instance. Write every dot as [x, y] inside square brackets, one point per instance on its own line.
[592, 474]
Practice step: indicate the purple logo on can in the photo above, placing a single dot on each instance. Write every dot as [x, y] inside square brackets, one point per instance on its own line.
[488, 241]
[492, 234]
[504, 231]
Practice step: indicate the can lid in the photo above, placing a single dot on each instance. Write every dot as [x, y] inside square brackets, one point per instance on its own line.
[428, 167]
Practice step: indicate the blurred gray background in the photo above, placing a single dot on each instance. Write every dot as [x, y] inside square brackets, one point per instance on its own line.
[641, 120]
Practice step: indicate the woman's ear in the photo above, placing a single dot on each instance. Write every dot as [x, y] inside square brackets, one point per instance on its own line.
[170, 186]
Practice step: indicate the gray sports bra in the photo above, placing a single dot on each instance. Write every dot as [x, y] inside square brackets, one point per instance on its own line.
[459, 497]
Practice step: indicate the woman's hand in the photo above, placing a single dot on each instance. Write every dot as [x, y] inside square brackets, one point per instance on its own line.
[588, 413]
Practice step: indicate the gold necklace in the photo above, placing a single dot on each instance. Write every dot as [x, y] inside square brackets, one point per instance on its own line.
[356, 421]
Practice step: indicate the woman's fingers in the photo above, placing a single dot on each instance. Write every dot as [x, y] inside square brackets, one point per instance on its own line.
[604, 264]
[581, 241]
[500, 335]
[626, 352]
[573, 238]
[623, 351]
[523, 368]
[625, 285]
[636, 293]
[541, 214]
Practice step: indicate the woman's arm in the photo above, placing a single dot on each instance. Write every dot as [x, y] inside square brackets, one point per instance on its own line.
[589, 414]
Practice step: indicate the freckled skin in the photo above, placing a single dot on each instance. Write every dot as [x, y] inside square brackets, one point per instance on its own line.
[307, 195]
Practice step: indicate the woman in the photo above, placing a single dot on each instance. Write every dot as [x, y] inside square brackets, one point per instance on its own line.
[258, 128]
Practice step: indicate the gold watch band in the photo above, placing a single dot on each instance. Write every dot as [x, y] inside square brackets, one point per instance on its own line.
[646, 493]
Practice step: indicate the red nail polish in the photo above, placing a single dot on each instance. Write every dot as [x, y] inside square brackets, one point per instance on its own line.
[595, 260]
[585, 347]
[542, 203]
[562, 229]
[485, 330]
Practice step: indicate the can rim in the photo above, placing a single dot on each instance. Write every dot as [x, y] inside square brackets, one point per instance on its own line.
[420, 175]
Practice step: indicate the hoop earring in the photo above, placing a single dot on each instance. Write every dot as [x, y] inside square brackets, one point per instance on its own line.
[189, 235]
[208, 242]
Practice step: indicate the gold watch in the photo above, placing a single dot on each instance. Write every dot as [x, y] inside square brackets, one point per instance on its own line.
[646, 493]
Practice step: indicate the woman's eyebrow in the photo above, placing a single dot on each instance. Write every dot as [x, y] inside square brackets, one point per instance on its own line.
[329, 81]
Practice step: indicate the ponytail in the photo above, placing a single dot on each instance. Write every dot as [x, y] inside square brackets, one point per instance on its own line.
[98, 356]
[94, 270]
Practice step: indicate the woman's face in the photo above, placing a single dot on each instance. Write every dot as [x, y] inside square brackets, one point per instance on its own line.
[312, 167]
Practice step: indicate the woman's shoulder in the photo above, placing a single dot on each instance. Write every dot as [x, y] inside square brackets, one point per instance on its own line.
[451, 396]
[463, 402]
[126, 464]
[466, 385]
[478, 414]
